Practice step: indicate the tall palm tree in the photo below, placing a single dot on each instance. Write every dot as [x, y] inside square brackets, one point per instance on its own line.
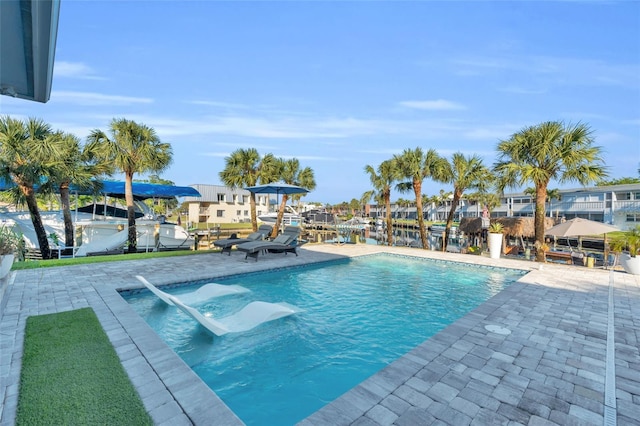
[290, 173]
[27, 155]
[464, 173]
[382, 180]
[132, 148]
[245, 167]
[417, 165]
[76, 164]
[545, 152]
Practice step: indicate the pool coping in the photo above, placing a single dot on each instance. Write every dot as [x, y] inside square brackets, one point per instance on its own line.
[173, 394]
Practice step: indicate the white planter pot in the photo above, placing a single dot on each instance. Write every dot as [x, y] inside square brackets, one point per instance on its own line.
[6, 262]
[630, 264]
[495, 245]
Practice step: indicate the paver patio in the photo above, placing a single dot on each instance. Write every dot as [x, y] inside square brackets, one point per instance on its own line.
[558, 347]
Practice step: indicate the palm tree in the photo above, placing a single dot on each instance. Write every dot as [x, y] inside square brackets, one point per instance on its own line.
[78, 165]
[243, 168]
[417, 165]
[443, 199]
[464, 173]
[382, 179]
[548, 151]
[363, 201]
[290, 173]
[490, 200]
[132, 148]
[552, 194]
[27, 155]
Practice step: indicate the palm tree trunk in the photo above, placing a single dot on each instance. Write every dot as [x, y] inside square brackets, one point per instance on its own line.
[447, 230]
[387, 205]
[541, 200]
[36, 219]
[66, 214]
[254, 216]
[276, 228]
[417, 189]
[131, 214]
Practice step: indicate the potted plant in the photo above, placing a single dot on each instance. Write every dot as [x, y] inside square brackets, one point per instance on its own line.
[9, 244]
[627, 248]
[474, 250]
[495, 240]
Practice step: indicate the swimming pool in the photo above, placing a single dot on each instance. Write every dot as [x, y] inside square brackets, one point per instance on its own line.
[359, 315]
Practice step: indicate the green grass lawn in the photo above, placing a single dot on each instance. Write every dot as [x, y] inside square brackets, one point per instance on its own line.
[72, 375]
[34, 264]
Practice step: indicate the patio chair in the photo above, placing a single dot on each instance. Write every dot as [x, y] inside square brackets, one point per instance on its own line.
[286, 242]
[226, 244]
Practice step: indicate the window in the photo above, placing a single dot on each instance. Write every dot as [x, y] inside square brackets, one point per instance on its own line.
[633, 217]
[246, 213]
[219, 213]
[221, 198]
[623, 196]
[235, 198]
[238, 212]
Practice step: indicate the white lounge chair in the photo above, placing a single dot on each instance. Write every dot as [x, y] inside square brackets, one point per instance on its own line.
[251, 316]
[206, 292]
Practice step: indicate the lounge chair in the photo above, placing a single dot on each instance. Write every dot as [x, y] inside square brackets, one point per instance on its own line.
[206, 292]
[226, 244]
[251, 316]
[286, 242]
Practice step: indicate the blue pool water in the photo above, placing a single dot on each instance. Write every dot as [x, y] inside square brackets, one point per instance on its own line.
[359, 315]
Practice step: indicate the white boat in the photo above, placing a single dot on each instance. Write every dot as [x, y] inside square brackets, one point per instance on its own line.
[290, 217]
[95, 234]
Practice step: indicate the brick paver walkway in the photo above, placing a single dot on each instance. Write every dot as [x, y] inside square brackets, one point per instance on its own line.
[534, 354]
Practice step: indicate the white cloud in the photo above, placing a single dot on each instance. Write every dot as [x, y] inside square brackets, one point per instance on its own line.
[89, 98]
[523, 91]
[75, 70]
[556, 70]
[436, 105]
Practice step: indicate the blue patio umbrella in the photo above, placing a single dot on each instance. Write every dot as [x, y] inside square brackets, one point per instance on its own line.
[277, 188]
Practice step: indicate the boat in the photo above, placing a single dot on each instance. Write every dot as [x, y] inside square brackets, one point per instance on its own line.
[102, 229]
[290, 217]
[96, 233]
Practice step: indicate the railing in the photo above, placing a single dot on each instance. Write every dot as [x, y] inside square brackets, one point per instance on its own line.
[631, 206]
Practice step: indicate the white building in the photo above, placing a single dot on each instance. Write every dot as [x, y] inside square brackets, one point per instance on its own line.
[221, 204]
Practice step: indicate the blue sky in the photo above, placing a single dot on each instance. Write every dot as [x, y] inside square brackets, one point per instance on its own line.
[340, 85]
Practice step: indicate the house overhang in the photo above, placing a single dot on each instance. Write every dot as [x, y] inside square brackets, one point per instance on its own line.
[28, 33]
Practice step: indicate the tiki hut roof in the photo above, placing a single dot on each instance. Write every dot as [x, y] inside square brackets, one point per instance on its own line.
[513, 226]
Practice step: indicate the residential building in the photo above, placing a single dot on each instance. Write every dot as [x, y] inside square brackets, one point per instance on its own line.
[618, 205]
[221, 204]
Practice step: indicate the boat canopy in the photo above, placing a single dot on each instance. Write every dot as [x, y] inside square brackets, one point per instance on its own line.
[141, 190]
